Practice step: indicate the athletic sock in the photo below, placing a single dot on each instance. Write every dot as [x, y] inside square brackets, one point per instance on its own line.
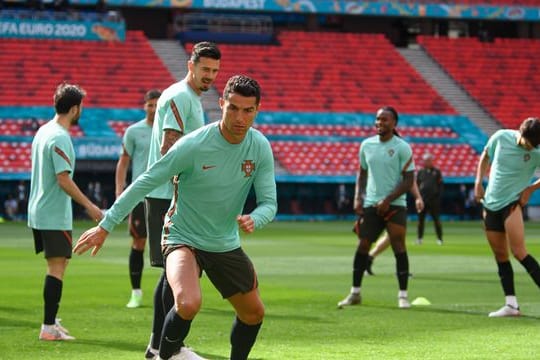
[167, 297]
[402, 270]
[175, 330]
[512, 301]
[438, 229]
[136, 264]
[52, 293]
[243, 337]
[359, 266]
[506, 275]
[532, 267]
[159, 313]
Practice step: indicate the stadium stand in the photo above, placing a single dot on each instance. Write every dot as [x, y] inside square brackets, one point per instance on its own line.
[14, 156]
[115, 74]
[501, 75]
[326, 145]
[351, 131]
[28, 127]
[359, 74]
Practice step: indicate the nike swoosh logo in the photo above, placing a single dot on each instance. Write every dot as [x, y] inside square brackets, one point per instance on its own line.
[206, 167]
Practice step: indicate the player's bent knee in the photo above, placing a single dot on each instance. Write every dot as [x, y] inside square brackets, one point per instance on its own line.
[188, 309]
[139, 244]
[254, 317]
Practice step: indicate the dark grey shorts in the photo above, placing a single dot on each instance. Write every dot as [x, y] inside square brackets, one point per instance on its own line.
[494, 220]
[231, 272]
[371, 225]
[137, 221]
[156, 209]
[54, 243]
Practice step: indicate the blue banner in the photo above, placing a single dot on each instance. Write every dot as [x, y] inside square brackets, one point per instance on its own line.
[371, 8]
[58, 29]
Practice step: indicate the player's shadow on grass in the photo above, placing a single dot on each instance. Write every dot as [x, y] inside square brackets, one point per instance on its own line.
[453, 280]
[230, 314]
[113, 344]
[17, 323]
[220, 357]
[435, 309]
[11, 310]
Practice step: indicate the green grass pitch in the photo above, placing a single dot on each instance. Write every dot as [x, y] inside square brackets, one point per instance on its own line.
[304, 269]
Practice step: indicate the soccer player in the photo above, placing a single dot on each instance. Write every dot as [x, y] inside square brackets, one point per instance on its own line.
[179, 112]
[514, 157]
[430, 183]
[215, 168]
[386, 173]
[384, 241]
[135, 147]
[50, 214]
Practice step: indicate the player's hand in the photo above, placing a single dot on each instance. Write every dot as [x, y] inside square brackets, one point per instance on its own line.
[382, 207]
[95, 213]
[478, 192]
[525, 196]
[245, 223]
[359, 206]
[94, 237]
[419, 205]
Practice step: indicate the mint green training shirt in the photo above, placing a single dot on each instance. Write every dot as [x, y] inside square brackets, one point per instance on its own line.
[49, 207]
[512, 169]
[214, 179]
[136, 142]
[178, 108]
[385, 162]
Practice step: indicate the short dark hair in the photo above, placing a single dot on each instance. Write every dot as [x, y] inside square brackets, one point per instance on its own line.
[530, 130]
[242, 85]
[152, 94]
[66, 96]
[205, 49]
[392, 110]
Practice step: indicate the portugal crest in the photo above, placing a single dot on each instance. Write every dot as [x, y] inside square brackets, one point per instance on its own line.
[248, 166]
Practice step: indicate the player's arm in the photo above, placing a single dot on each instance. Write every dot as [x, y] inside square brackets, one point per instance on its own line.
[160, 172]
[264, 185]
[402, 187]
[481, 171]
[121, 172]
[170, 137]
[68, 185]
[360, 189]
[418, 201]
[440, 182]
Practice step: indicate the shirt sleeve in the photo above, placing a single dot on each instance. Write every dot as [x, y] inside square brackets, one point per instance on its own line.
[491, 145]
[60, 150]
[265, 188]
[362, 157]
[177, 112]
[406, 158]
[128, 142]
[172, 163]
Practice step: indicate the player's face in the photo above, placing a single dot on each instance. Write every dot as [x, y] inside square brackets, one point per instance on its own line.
[203, 73]
[239, 112]
[150, 109]
[77, 115]
[384, 122]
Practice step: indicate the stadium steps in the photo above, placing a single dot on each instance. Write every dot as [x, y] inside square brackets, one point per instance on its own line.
[445, 85]
[175, 58]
